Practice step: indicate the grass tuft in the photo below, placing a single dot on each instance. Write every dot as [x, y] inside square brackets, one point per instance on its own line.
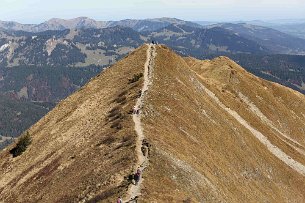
[22, 145]
[135, 78]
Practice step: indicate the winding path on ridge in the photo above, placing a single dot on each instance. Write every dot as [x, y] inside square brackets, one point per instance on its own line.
[135, 190]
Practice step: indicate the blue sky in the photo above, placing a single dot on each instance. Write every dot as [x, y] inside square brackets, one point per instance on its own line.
[37, 11]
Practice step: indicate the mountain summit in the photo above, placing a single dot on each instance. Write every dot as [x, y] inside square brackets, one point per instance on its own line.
[202, 131]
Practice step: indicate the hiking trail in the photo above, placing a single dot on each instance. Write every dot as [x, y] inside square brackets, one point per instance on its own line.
[135, 190]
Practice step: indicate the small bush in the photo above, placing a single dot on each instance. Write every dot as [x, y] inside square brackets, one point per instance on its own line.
[113, 113]
[108, 140]
[116, 108]
[126, 138]
[135, 78]
[117, 125]
[121, 99]
[188, 200]
[122, 93]
[117, 116]
[21, 146]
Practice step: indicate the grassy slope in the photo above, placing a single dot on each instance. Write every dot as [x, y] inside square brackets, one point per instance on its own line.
[201, 153]
[198, 151]
[75, 154]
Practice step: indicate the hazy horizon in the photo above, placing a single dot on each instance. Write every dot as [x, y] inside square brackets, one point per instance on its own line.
[287, 20]
[38, 11]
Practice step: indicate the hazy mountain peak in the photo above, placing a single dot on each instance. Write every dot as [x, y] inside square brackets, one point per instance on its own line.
[85, 22]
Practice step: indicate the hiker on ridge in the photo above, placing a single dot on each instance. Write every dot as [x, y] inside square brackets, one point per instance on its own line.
[137, 176]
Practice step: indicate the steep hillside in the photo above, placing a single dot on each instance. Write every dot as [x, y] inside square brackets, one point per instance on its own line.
[82, 149]
[207, 131]
[288, 70]
[219, 133]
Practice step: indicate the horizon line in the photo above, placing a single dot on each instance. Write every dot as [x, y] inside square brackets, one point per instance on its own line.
[208, 20]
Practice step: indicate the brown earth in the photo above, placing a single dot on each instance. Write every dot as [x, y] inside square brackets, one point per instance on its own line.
[214, 132]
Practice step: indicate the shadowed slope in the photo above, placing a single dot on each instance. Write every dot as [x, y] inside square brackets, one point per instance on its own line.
[202, 152]
[84, 149]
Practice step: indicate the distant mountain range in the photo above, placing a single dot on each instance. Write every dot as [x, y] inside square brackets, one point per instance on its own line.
[274, 40]
[92, 46]
[264, 39]
[84, 23]
[292, 27]
[295, 29]
[289, 26]
[49, 61]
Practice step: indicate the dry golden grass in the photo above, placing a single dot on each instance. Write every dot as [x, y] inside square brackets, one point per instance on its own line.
[201, 153]
[84, 149]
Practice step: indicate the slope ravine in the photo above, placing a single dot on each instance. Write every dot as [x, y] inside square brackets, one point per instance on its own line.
[135, 190]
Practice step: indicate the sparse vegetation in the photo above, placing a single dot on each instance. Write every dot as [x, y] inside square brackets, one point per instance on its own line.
[117, 116]
[108, 140]
[22, 145]
[123, 93]
[135, 78]
[117, 125]
[126, 138]
[121, 100]
[188, 200]
[113, 112]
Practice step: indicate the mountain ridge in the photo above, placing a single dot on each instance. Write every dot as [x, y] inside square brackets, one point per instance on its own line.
[85, 23]
[48, 66]
[210, 129]
[272, 39]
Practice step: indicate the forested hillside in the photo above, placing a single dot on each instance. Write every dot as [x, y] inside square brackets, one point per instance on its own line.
[44, 84]
[16, 116]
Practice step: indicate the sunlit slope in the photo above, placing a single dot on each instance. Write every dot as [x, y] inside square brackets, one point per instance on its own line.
[213, 133]
[84, 149]
[211, 125]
